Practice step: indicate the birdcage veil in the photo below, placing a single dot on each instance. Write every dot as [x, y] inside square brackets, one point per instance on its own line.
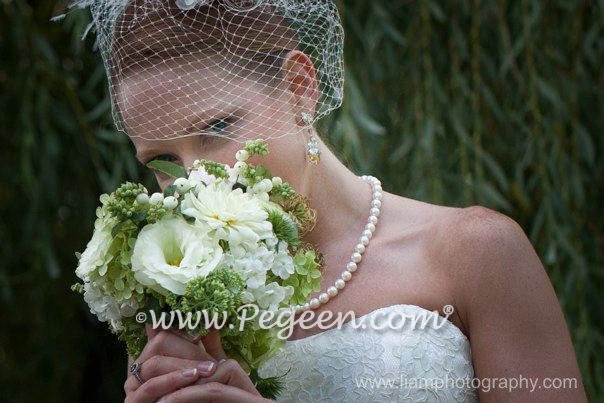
[184, 67]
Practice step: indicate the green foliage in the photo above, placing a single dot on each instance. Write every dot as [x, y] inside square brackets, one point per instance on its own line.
[464, 102]
[169, 168]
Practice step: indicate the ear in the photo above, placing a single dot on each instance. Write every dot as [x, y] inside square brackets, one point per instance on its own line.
[301, 80]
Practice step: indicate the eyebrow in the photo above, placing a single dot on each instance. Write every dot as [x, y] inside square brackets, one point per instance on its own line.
[214, 114]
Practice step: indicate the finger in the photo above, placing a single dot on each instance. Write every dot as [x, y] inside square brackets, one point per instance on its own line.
[213, 346]
[210, 392]
[151, 332]
[162, 385]
[168, 344]
[159, 365]
[191, 337]
[230, 373]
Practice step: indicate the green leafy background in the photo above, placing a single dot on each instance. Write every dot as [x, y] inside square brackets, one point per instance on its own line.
[492, 102]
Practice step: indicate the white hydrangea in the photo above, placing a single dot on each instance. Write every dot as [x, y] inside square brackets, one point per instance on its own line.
[97, 254]
[270, 296]
[251, 265]
[283, 264]
[170, 253]
[106, 307]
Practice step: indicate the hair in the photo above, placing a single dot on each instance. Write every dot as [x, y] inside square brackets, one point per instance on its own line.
[252, 43]
[239, 40]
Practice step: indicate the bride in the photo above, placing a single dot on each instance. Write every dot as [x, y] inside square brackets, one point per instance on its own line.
[192, 79]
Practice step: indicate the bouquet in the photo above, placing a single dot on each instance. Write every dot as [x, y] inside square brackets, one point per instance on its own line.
[217, 240]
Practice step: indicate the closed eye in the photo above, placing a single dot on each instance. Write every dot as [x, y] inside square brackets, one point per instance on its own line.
[162, 157]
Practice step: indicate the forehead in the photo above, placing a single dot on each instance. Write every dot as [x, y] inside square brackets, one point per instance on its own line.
[165, 99]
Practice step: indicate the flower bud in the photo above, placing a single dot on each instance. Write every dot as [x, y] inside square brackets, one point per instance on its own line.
[182, 184]
[242, 155]
[267, 185]
[156, 198]
[142, 199]
[170, 202]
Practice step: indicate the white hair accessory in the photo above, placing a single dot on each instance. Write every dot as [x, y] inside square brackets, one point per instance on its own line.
[214, 67]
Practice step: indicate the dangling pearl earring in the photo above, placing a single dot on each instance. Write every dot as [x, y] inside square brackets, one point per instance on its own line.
[313, 154]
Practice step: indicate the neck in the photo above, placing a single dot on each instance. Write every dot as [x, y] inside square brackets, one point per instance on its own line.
[340, 198]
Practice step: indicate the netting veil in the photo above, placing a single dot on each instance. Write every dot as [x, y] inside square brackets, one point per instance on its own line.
[186, 67]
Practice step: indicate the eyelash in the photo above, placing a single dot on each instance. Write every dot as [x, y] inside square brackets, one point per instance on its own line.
[212, 125]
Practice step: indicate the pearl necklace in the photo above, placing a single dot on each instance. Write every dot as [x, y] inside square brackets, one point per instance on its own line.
[357, 255]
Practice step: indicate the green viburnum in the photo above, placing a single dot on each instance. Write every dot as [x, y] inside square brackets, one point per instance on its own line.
[255, 174]
[218, 292]
[256, 147]
[307, 277]
[215, 168]
[134, 335]
[122, 203]
[283, 191]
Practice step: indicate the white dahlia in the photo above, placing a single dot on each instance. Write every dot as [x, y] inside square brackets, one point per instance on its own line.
[170, 253]
[231, 215]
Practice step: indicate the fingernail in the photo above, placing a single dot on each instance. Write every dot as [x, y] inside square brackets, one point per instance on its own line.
[206, 366]
[189, 373]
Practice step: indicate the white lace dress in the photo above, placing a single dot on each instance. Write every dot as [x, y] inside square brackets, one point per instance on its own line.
[368, 365]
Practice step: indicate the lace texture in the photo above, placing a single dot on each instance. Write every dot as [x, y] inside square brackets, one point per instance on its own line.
[369, 365]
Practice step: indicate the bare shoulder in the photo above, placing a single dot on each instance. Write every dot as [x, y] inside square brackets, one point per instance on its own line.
[472, 239]
[480, 253]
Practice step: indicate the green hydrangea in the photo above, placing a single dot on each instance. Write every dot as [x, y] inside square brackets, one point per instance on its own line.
[306, 278]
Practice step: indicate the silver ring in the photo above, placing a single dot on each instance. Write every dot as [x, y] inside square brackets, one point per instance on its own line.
[221, 361]
[135, 370]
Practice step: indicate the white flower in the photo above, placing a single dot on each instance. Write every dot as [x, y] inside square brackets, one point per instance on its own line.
[170, 202]
[156, 198]
[170, 253]
[242, 155]
[270, 296]
[142, 199]
[283, 264]
[251, 266]
[182, 184]
[234, 216]
[106, 307]
[97, 254]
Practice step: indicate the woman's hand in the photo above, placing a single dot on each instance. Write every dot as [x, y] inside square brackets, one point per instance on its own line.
[169, 361]
[173, 366]
[212, 392]
[228, 384]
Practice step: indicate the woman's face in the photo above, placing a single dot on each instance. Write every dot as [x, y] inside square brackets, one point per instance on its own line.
[195, 111]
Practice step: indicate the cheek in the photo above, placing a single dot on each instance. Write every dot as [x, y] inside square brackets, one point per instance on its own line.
[163, 181]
